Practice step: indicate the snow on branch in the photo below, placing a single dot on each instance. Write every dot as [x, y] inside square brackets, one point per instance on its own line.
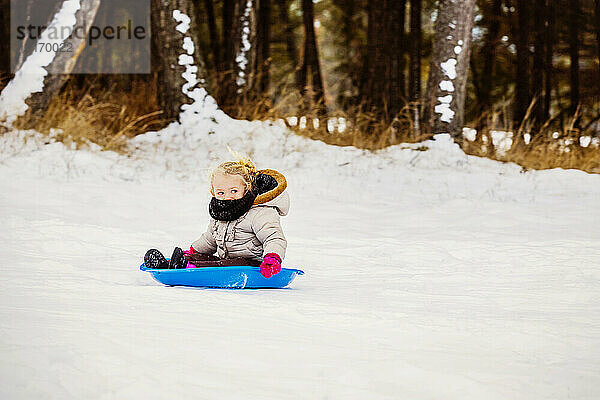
[203, 103]
[241, 58]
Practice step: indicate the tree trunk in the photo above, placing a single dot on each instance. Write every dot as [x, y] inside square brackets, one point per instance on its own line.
[347, 52]
[290, 40]
[522, 90]
[539, 59]
[227, 11]
[167, 47]
[548, 65]
[215, 44]
[240, 47]
[449, 69]
[395, 64]
[63, 63]
[574, 53]
[311, 84]
[414, 80]
[230, 25]
[264, 46]
[245, 47]
[382, 88]
[597, 15]
[21, 52]
[489, 55]
[374, 18]
[4, 44]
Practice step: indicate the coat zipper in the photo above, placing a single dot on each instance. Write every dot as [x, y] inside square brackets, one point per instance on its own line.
[225, 240]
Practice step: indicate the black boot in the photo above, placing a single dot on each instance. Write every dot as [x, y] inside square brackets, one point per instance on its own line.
[177, 259]
[155, 260]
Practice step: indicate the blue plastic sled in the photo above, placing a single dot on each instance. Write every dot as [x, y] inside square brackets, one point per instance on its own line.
[234, 277]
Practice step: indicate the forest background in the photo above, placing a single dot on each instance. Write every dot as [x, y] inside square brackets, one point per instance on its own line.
[512, 80]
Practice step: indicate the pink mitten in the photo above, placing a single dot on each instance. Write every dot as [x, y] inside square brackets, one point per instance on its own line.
[271, 265]
[190, 251]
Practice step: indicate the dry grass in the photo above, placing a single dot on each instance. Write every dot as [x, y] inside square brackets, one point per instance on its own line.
[549, 146]
[364, 130]
[543, 151]
[109, 117]
[104, 117]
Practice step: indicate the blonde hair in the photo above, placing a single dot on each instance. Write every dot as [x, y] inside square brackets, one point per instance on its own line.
[244, 167]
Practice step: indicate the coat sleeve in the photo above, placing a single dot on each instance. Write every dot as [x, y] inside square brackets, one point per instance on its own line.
[267, 228]
[206, 243]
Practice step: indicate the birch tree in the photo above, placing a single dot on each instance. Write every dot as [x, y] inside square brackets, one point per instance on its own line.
[448, 72]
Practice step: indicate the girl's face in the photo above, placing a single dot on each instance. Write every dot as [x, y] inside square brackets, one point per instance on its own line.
[228, 187]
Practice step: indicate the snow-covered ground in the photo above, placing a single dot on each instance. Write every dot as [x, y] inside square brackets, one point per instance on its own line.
[429, 275]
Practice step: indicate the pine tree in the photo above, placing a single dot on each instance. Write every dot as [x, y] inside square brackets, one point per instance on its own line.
[311, 83]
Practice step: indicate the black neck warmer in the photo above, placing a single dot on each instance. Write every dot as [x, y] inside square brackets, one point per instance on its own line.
[229, 210]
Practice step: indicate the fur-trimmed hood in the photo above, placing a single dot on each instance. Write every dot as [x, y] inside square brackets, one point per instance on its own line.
[255, 233]
[270, 186]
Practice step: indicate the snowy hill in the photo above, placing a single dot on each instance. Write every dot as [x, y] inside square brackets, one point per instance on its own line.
[429, 274]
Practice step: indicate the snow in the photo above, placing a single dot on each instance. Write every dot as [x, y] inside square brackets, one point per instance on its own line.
[447, 86]
[188, 45]
[444, 108]
[293, 121]
[30, 77]
[449, 68]
[203, 105]
[502, 141]
[184, 21]
[302, 124]
[421, 267]
[191, 71]
[184, 59]
[470, 134]
[241, 59]
[331, 122]
[341, 124]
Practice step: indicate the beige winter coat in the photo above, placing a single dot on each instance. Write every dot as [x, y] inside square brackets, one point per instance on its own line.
[254, 234]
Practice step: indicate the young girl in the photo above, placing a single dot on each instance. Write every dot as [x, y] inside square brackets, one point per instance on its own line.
[244, 227]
